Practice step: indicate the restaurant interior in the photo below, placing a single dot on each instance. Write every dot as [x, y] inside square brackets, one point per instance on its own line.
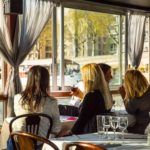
[64, 36]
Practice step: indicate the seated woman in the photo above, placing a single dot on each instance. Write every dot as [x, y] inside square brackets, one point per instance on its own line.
[136, 96]
[78, 91]
[35, 98]
[95, 99]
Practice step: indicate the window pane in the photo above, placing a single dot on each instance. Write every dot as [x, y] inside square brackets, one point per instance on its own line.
[41, 54]
[91, 37]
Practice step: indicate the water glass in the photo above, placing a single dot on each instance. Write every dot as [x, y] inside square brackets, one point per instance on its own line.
[114, 122]
[100, 127]
[123, 123]
[106, 124]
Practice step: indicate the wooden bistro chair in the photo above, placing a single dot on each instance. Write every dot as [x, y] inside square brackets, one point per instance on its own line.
[27, 141]
[32, 123]
[83, 146]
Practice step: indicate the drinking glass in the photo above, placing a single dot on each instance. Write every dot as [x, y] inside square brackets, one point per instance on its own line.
[123, 123]
[106, 124]
[73, 89]
[114, 122]
[100, 127]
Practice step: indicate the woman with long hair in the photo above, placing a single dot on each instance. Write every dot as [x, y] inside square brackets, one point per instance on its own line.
[136, 95]
[106, 69]
[95, 101]
[34, 99]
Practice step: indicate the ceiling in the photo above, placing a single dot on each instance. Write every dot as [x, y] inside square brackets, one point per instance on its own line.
[131, 4]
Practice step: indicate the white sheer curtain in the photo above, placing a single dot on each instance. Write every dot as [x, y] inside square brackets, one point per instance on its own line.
[36, 13]
[136, 32]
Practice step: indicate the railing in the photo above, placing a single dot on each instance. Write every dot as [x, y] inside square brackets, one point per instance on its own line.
[57, 94]
[60, 94]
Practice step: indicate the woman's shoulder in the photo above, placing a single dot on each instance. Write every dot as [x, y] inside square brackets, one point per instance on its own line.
[144, 97]
[51, 99]
[94, 93]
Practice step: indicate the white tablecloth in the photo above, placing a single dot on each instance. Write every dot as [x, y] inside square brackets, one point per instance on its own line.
[131, 141]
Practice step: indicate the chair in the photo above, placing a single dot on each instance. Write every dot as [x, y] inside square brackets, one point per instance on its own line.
[68, 110]
[32, 122]
[84, 146]
[27, 141]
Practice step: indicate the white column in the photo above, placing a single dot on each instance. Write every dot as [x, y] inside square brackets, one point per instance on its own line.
[54, 49]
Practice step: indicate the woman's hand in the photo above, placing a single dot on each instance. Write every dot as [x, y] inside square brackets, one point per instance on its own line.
[64, 133]
[76, 92]
[122, 91]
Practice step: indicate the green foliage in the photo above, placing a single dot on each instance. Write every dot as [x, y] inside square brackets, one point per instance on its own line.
[85, 24]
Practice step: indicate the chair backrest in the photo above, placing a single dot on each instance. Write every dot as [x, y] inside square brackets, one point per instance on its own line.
[32, 122]
[83, 146]
[68, 110]
[27, 141]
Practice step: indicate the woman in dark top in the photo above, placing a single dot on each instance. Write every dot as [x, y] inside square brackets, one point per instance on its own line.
[136, 95]
[95, 101]
[93, 104]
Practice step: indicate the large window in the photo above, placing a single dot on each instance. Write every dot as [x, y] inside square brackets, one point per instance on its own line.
[92, 37]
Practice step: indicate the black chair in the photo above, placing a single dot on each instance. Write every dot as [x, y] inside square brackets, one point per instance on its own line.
[83, 146]
[32, 123]
[28, 141]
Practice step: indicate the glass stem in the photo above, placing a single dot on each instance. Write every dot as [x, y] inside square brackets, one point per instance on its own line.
[123, 135]
[115, 134]
[106, 133]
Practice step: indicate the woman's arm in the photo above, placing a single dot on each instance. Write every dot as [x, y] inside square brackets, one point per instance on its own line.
[55, 117]
[122, 91]
[92, 104]
[77, 92]
[131, 106]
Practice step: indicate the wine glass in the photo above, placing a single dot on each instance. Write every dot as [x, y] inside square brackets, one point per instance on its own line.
[100, 127]
[114, 122]
[123, 123]
[106, 124]
[73, 89]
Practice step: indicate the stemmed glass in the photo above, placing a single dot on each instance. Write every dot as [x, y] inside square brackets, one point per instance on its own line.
[106, 124]
[123, 123]
[73, 89]
[100, 127]
[114, 122]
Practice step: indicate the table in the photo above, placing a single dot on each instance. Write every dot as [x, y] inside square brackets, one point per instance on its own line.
[67, 122]
[131, 141]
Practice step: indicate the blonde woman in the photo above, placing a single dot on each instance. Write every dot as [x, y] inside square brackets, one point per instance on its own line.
[95, 99]
[106, 69]
[136, 95]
